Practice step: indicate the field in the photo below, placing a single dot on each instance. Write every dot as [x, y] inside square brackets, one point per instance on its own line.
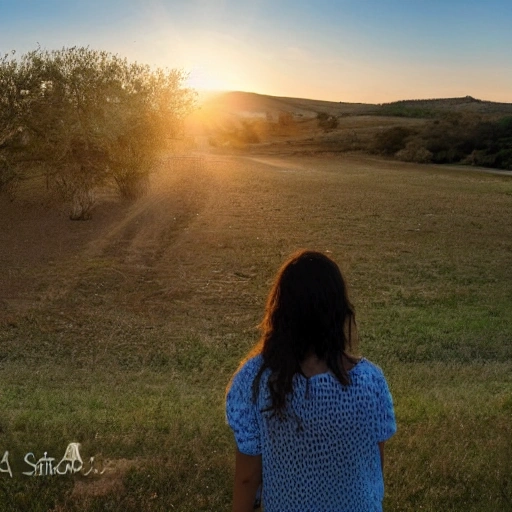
[122, 332]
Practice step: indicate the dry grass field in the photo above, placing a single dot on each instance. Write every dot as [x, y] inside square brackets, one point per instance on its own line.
[122, 332]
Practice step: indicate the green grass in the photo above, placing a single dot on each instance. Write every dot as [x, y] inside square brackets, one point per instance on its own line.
[130, 344]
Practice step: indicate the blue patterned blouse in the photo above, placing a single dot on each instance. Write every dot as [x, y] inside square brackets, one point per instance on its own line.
[324, 456]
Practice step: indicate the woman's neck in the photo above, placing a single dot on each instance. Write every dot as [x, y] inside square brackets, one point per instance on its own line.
[313, 365]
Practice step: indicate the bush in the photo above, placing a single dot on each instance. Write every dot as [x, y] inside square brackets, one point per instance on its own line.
[504, 159]
[392, 140]
[327, 122]
[89, 117]
[415, 151]
[400, 110]
[234, 134]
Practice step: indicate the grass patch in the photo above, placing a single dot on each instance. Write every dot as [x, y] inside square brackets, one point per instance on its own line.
[128, 341]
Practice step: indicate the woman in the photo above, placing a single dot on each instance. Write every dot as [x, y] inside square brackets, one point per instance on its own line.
[309, 419]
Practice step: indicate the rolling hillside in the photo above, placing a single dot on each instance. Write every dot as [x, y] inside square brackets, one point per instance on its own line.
[451, 130]
[248, 103]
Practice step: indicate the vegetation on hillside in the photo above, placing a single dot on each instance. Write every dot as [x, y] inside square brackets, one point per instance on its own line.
[327, 122]
[84, 118]
[451, 130]
[435, 107]
[239, 132]
[453, 138]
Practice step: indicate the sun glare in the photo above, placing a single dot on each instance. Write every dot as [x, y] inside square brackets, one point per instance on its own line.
[202, 78]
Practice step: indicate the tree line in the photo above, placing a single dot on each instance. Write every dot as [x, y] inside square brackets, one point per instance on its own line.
[85, 118]
[452, 138]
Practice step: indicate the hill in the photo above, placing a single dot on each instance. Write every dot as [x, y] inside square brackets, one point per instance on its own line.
[447, 130]
[259, 105]
[464, 104]
[253, 104]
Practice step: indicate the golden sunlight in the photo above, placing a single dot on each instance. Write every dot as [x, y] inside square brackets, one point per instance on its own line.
[202, 78]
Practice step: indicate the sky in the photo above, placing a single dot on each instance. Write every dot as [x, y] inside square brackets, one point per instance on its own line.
[369, 51]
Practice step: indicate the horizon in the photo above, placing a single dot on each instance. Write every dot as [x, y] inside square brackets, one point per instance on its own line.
[467, 96]
[335, 50]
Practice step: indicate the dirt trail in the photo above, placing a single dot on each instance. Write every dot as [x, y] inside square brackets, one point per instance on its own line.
[147, 256]
[43, 254]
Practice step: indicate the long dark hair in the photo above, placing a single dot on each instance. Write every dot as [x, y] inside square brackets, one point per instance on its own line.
[307, 312]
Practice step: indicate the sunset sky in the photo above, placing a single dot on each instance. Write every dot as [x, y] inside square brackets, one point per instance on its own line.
[342, 50]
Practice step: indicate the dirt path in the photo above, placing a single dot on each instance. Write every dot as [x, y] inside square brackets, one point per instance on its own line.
[158, 262]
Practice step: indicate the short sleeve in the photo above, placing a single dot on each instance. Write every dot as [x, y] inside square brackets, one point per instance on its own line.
[386, 423]
[241, 412]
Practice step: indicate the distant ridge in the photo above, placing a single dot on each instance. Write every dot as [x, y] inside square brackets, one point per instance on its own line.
[465, 103]
[236, 102]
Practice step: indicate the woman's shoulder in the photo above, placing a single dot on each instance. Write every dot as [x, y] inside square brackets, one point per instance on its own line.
[365, 368]
[246, 372]
[250, 366]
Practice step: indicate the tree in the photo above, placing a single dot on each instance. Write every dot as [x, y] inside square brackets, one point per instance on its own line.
[326, 121]
[15, 82]
[392, 140]
[89, 117]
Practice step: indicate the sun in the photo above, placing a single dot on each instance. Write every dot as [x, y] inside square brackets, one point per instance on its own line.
[202, 78]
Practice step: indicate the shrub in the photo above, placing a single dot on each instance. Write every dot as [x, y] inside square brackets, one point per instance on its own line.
[89, 117]
[326, 121]
[400, 110]
[415, 151]
[392, 140]
[504, 159]
[234, 134]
